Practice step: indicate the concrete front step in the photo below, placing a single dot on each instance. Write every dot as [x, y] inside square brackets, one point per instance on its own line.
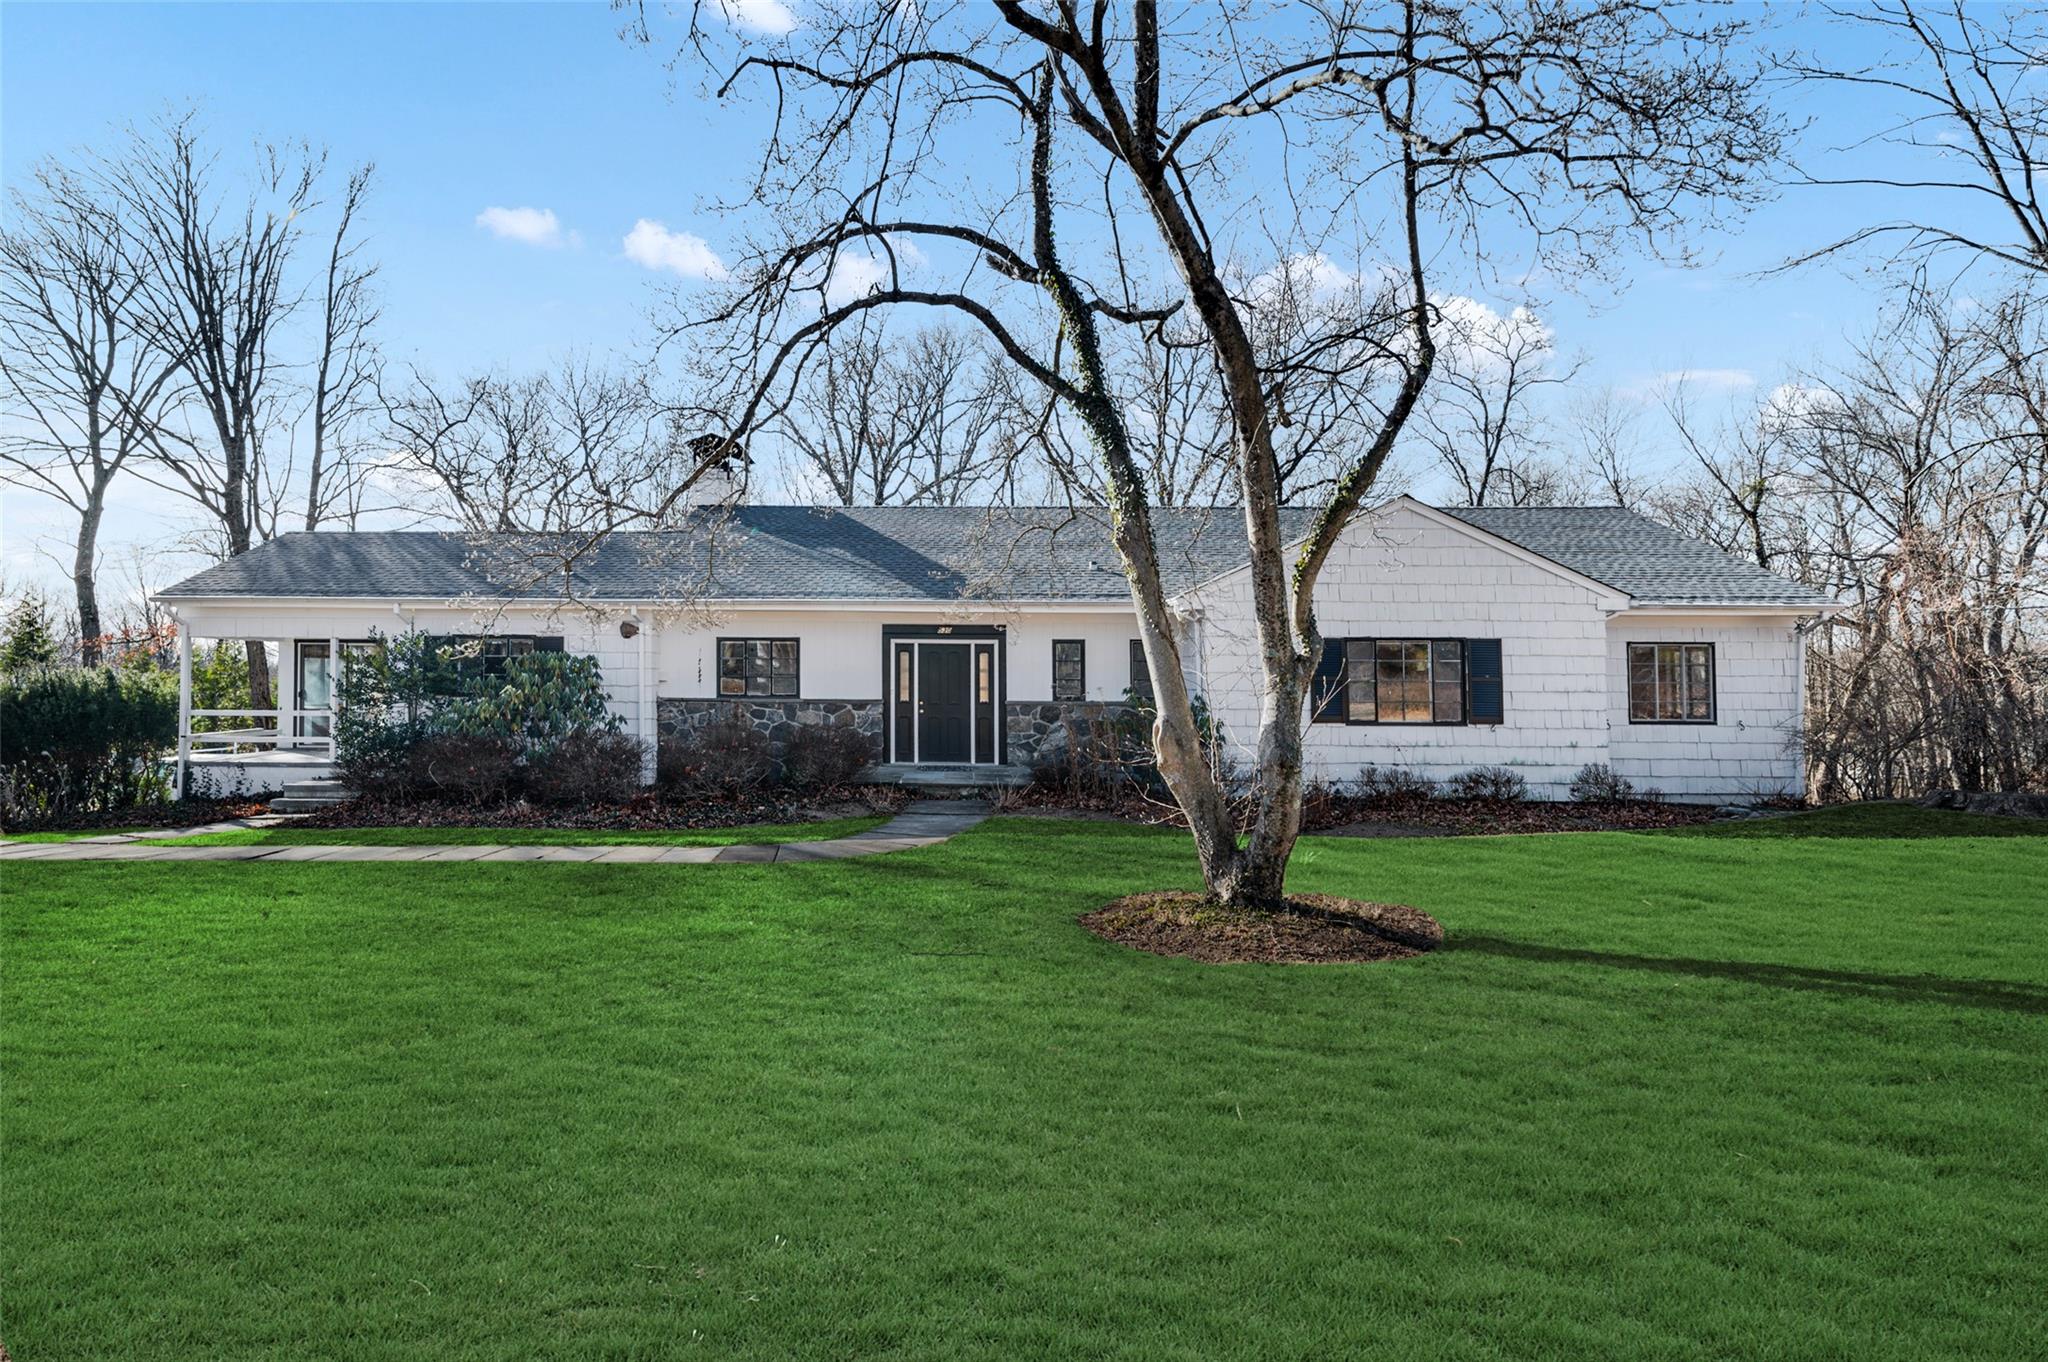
[952, 779]
[308, 796]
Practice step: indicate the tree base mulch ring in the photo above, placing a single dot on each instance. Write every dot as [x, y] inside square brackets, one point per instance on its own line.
[1310, 929]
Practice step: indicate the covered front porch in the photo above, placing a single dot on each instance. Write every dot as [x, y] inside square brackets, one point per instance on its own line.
[241, 749]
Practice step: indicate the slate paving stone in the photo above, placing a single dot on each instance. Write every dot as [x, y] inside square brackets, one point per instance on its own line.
[923, 823]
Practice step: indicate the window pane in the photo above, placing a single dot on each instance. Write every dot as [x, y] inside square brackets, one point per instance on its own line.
[984, 672]
[1068, 674]
[782, 667]
[1670, 704]
[732, 667]
[903, 674]
[1447, 682]
[1402, 676]
[1361, 700]
[1642, 681]
[1141, 672]
[1699, 683]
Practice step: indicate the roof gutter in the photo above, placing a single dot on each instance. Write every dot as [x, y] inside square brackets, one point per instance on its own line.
[918, 606]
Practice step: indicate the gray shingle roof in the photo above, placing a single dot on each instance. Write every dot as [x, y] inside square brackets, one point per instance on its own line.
[917, 553]
[755, 553]
[1634, 554]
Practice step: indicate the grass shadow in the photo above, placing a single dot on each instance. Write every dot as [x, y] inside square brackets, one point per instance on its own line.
[1888, 821]
[1997, 995]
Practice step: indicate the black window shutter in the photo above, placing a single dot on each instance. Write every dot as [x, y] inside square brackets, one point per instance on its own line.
[1485, 704]
[548, 643]
[1326, 692]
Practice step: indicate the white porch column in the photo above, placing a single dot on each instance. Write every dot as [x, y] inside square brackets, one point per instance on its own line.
[184, 703]
[333, 690]
[287, 677]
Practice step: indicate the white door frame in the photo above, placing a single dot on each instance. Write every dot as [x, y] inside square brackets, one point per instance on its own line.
[917, 643]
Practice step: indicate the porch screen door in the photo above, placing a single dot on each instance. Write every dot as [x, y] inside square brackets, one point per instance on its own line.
[316, 689]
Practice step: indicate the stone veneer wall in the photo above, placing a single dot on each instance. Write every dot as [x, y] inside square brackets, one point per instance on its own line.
[1044, 730]
[1033, 731]
[778, 719]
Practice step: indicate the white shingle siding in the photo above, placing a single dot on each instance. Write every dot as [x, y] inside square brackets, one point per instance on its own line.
[1750, 748]
[1404, 576]
[1407, 575]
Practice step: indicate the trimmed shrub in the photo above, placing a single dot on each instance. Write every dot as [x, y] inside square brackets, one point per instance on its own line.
[1596, 783]
[468, 769]
[1394, 782]
[823, 756]
[84, 739]
[537, 700]
[422, 720]
[723, 757]
[586, 768]
[1488, 782]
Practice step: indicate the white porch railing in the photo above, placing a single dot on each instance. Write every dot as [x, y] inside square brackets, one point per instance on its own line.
[196, 742]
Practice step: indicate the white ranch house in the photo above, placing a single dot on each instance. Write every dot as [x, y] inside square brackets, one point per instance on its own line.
[1540, 639]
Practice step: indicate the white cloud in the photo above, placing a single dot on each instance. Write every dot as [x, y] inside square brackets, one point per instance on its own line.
[854, 276]
[1481, 339]
[1309, 276]
[758, 16]
[652, 245]
[1710, 381]
[534, 226]
[1792, 404]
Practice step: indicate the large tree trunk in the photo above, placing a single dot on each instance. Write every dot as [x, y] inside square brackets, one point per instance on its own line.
[82, 580]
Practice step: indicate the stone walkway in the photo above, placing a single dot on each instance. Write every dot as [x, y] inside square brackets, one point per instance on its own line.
[923, 823]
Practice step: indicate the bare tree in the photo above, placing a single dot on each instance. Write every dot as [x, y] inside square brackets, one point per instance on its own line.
[1481, 420]
[85, 382]
[344, 383]
[1974, 83]
[1608, 436]
[913, 420]
[217, 291]
[1740, 475]
[1580, 123]
[580, 451]
[1925, 476]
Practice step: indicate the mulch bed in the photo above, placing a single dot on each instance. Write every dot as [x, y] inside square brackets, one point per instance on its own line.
[648, 813]
[1311, 929]
[1387, 815]
[183, 813]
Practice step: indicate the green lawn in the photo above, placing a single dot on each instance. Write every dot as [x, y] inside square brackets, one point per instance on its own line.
[1735, 1095]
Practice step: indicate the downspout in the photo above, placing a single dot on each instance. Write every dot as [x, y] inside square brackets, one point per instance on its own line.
[643, 709]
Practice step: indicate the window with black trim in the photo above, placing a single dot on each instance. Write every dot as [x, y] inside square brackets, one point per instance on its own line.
[757, 666]
[1671, 683]
[1408, 681]
[1141, 671]
[486, 653]
[1069, 669]
[1404, 681]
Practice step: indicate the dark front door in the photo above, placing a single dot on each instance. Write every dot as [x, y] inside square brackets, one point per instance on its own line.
[945, 708]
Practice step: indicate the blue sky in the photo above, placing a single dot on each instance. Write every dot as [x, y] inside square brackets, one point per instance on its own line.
[468, 107]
